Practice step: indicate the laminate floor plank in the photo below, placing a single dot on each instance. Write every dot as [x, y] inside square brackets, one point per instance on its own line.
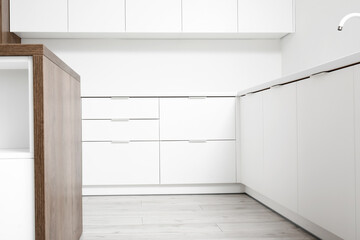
[184, 217]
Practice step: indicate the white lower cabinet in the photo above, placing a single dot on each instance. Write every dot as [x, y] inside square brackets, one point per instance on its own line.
[17, 201]
[107, 163]
[250, 165]
[184, 162]
[280, 145]
[326, 152]
[211, 118]
[110, 130]
[357, 145]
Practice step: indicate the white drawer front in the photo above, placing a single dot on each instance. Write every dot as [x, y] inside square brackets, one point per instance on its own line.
[114, 108]
[108, 130]
[197, 118]
[120, 164]
[198, 162]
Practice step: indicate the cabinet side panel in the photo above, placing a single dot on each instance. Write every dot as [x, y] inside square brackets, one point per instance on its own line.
[61, 143]
[357, 146]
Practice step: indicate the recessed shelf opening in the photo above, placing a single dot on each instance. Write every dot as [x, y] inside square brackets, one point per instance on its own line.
[16, 108]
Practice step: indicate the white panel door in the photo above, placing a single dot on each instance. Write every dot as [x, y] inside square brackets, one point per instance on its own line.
[108, 130]
[265, 16]
[96, 16]
[38, 16]
[251, 165]
[209, 16]
[17, 201]
[184, 162]
[120, 163]
[280, 145]
[197, 118]
[120, 108]
[326, 151]
[153, 16]
[357, 144]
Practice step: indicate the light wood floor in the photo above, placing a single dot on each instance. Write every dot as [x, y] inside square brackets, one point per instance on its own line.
[183, 217]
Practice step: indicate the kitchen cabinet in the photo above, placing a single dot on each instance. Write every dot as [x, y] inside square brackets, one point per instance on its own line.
[251, 164]
[122, 130]
[120, 163]
[153, 16]
[280, 145]
[38, 16]
[197, 162]
[265, 16]
[40, 145]
[120, 108]
[209, 16]
[326, 161]
[198, 118]
[96, 16]
[357, 143]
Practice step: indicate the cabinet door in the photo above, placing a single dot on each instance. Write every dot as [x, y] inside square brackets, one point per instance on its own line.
[357, 144]
[265, 15]
[108, 130]
[153, 16]
[326, 151]
[210, 16]
[197, 118]
[96, 16]
[38, 15]
[280, 145]
[197, 162]
[120, 108]
[251, 167]
[17, 202]
[120, 163]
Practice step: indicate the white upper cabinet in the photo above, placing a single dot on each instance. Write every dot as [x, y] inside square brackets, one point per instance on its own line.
[210, 16]
[96, 16]
[153, 16]
[326, 151]
[251, 165]
[280, 145]
[265, 16]
[38, 15]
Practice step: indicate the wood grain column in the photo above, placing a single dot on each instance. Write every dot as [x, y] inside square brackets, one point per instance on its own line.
[5, 35]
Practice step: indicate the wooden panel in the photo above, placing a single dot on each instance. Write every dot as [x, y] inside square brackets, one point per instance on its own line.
[326, 164]
[36, 50]
[210, 118]
[5, 35]
[185, 162]
[280, 145]
[251, 166]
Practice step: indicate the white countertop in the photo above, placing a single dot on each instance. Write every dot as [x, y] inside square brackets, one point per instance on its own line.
[338, 63]
[16, 154]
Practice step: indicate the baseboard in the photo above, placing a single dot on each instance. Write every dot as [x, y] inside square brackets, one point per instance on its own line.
[292, 216]
[163, 189]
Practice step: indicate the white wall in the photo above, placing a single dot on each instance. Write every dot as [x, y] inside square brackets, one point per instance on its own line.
[116, 67]
[316, 39]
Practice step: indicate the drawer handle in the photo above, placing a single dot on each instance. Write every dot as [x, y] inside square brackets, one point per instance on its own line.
[120, 142]
[319, 74]
[197, 141]
[120, 119]
[119, 98]
[276, 86]
[199, 97]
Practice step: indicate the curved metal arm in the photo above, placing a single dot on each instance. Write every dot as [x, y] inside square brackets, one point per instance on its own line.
[346, 18]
